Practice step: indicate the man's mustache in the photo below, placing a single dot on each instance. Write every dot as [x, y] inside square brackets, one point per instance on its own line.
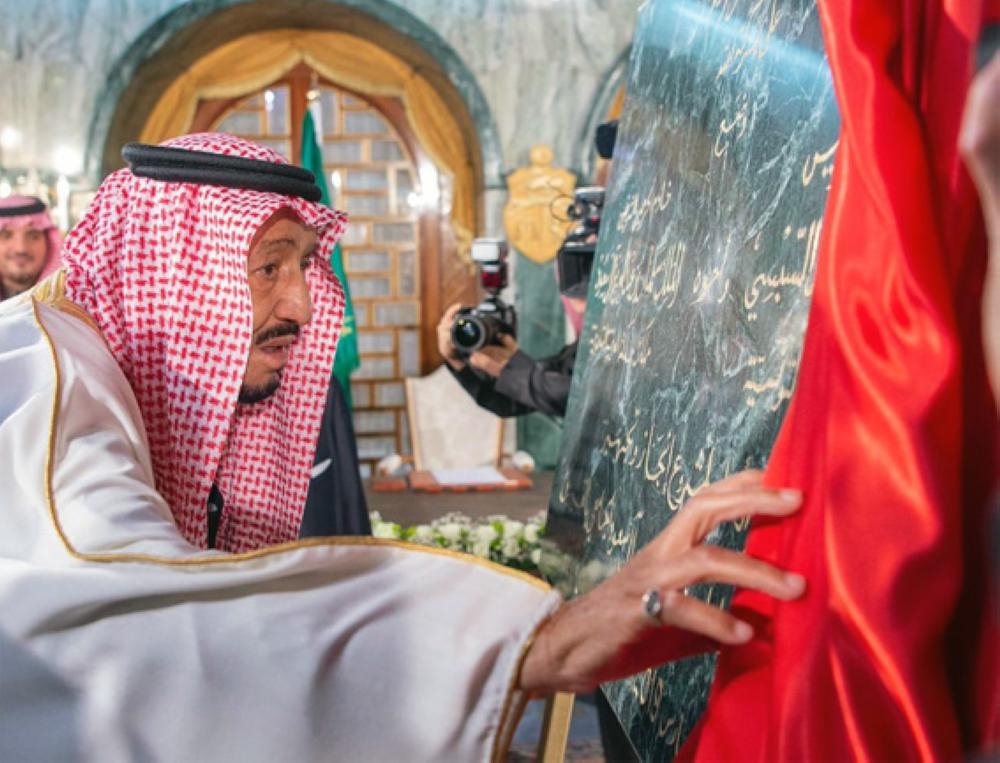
[273, 332]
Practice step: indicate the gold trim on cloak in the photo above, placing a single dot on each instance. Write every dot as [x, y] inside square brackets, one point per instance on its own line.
[52, 292]
[224, 558]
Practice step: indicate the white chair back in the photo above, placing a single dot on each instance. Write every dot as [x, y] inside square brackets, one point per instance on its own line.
[447, 429]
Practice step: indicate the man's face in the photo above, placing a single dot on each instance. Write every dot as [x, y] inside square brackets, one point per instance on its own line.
[279, 255]
[23, 250]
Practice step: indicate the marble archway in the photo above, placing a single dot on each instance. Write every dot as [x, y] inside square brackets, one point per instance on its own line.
[179, 38]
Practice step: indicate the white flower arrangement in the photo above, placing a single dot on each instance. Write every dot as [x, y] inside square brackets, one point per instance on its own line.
[497, 538]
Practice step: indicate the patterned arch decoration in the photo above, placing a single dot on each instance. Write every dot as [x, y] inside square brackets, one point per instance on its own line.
[250, 63]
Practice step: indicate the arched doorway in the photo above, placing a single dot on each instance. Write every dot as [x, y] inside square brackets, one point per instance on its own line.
[175, 41]
[376, 169]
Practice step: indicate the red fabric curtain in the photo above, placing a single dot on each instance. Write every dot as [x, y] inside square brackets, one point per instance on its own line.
[892, 654]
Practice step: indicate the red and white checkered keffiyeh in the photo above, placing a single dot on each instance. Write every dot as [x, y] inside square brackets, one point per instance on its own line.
[162, 268]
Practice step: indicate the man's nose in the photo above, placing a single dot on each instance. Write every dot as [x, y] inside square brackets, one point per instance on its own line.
[20, 241]
[295, 304]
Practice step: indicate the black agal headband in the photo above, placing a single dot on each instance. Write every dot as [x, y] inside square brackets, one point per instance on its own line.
[181, 165]
[30, 207]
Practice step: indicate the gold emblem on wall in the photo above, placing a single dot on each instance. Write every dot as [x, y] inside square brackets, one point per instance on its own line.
[535, 217]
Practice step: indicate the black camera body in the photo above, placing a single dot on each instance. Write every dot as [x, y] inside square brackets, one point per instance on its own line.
[476, 327]
[576, 255]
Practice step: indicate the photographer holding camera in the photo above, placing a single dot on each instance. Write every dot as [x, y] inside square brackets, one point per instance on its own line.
[479, 344]
[503, 379]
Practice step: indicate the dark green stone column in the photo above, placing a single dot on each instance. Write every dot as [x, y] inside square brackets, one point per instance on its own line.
[541, 332]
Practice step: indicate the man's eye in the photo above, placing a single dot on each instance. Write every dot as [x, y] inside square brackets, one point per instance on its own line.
[269, 270]
[306, 262]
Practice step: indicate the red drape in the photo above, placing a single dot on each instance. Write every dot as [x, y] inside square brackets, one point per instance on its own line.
[892, 654]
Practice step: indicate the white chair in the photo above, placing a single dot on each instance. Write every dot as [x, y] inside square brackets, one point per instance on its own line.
[448, 430]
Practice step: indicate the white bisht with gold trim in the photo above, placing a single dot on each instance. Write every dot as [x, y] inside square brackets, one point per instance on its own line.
[120, 641]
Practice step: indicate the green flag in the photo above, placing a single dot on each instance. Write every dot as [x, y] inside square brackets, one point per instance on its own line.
[347, 359]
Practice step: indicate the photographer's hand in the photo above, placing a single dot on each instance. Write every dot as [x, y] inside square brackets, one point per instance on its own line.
[445, 346]
[492, 358]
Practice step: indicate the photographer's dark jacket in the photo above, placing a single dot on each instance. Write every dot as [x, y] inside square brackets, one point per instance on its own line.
[525, 385]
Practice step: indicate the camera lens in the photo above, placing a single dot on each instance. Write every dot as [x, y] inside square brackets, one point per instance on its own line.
[468, 333]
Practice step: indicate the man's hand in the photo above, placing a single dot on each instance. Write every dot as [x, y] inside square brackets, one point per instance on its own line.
[492, 358]
[606, 634]
[445, 346]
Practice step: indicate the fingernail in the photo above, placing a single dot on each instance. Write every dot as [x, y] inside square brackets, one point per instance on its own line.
[789, 494]
[795, 581]
[742, 631]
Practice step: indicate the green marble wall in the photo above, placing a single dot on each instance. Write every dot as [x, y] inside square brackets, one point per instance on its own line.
[699, 301]
[541, 333]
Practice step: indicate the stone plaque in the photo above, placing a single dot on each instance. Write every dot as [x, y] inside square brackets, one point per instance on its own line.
[699, 298]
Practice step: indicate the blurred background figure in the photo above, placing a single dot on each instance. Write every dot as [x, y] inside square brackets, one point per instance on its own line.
[980, 144]
[29, 244]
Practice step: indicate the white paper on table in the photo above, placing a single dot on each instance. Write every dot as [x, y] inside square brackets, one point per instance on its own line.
[483, 475]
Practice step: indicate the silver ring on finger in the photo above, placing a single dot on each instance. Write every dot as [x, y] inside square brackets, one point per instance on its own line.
[652, 605]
